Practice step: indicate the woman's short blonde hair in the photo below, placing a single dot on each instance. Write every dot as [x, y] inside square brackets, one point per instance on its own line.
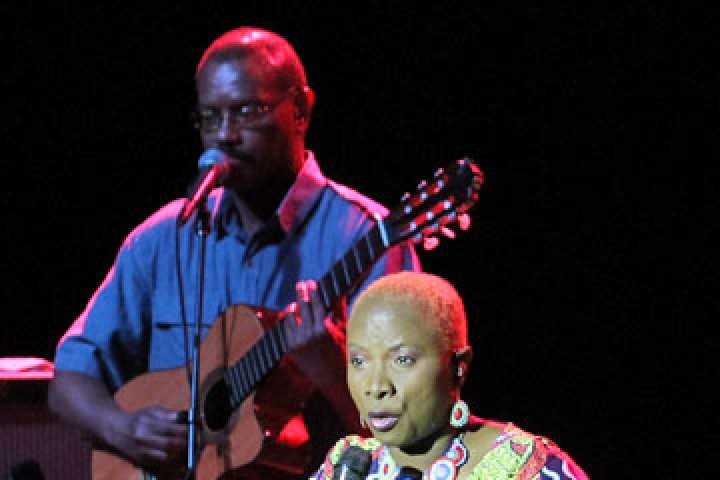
[436, 299]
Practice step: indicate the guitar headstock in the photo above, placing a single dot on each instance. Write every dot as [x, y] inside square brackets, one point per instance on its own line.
[436, 204]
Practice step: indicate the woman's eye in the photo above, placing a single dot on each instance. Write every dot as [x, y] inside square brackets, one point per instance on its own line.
[357, 361]
[405, 360]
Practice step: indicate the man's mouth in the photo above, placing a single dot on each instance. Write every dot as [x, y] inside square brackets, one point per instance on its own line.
[237, 156]
[382, 421]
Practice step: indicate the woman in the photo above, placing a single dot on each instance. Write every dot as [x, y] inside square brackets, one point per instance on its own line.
[408, 358]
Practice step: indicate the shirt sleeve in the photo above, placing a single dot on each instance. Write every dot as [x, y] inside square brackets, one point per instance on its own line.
[559, 466]
[108, 340]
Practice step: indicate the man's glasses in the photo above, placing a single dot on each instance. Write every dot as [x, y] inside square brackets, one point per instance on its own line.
[244, 115]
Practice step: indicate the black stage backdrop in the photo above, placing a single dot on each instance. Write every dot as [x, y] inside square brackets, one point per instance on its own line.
[580, 305]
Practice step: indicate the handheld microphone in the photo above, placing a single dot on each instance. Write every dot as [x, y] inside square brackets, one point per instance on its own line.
[409, 473]
[214, 168]
[353, 464]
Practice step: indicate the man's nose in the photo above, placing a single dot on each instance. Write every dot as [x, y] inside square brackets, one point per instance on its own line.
[228, 131]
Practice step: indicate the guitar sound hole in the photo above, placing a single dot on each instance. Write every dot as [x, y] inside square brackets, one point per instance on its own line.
[217, 409]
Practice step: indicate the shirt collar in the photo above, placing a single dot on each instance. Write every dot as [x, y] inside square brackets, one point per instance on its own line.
[302, 195]
[293, 209]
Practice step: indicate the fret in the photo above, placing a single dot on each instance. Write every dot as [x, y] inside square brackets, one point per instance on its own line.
[352, 270]
[338, 273]
[233, 376]
[328, 292]
[324, 295]
[336, 286]
[363, 253]
[264, 355]
[238, 383]
[229, 380]
[254, 365]
[356, 256]
[247, 382]
[242, 389]
[282, 341]
[374, 236]
[346, 270]
[246, 375]
[261, 360]
[276, 348]
[368, 243]
[274, 335]
[267, 350]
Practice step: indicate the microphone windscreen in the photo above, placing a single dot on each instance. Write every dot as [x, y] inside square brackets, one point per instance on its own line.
[409, 473]
[211, 157]
[353, 464]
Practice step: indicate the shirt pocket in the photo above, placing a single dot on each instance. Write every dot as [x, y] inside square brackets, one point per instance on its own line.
[171, 340]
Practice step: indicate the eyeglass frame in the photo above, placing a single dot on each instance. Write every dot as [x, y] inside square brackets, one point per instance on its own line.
[238, 114]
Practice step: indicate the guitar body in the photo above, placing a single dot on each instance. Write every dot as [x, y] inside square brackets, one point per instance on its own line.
[254, 427]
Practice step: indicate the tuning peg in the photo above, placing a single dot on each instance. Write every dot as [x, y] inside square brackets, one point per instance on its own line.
[464, 221]
[447, 232]
[405, 197]
[439, 173]
[429, 243]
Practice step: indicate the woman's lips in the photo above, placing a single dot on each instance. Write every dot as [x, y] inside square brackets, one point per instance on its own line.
[383, 422]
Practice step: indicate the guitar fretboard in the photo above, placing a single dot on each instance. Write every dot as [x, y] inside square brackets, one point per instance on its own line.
[244, 376]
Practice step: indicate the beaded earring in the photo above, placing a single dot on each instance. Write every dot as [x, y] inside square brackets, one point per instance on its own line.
[459, 414]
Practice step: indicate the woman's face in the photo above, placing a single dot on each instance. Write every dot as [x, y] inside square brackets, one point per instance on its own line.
[398, 376]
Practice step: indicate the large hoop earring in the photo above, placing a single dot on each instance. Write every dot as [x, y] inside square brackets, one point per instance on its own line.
[459, 414]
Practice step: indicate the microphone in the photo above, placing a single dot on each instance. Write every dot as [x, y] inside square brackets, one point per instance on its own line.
[353, 464]
[409, 473]
[214, 168]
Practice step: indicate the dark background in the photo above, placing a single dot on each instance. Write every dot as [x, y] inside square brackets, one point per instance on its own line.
[577, 271]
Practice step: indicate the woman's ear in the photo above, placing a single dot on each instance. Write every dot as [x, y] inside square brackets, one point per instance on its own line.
[461, 362]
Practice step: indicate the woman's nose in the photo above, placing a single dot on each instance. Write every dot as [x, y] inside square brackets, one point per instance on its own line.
[379, 384]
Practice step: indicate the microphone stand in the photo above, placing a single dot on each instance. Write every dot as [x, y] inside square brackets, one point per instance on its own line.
[202, 229]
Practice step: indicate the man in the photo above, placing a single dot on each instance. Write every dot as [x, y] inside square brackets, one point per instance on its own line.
[277, 222]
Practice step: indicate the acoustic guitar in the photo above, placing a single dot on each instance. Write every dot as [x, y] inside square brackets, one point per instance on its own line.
[246, 344]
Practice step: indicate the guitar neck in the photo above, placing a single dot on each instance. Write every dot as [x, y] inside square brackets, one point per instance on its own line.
[264, 355]
[351, 268]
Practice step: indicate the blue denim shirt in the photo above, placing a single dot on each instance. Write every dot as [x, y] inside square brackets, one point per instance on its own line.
[133, 322]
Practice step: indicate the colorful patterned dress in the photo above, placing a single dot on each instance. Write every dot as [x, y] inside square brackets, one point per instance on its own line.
[516, 454]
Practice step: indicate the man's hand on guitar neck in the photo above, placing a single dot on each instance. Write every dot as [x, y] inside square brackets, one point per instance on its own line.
[317, 346]
[149, 437]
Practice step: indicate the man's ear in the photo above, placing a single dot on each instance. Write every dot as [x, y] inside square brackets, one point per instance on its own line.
[310, 97]
[461, 362]
[305, 103]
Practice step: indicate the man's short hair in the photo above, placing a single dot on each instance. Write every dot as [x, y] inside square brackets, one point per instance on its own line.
[281, 60]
